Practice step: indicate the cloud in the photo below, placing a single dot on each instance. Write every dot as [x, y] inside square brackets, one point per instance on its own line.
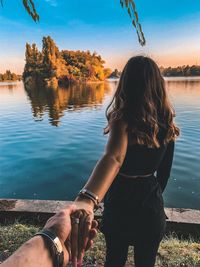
[52, 2]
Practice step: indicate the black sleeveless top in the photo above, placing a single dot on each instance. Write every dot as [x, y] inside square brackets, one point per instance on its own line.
[141, 160]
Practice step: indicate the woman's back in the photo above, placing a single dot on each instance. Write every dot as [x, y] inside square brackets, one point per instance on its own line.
[141, 160]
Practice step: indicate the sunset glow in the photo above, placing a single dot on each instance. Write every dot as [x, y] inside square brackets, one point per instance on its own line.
[171, 29]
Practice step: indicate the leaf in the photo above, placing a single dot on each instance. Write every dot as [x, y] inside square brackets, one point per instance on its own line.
[30, 8]
[142, 35]
[132, 3]
[132, 12]
[133, 22]
[129, 4]
[129, 12]
[136, 15]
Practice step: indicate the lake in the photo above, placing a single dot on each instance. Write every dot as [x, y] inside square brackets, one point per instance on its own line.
[50, 140]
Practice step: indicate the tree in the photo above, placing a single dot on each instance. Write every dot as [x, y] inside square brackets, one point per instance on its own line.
[8, 76]
[50, 55]
[115, 74]
[84, 65]
[14, 77]
[63, 65]
[33, 60]
[181, 71]
[53, 63]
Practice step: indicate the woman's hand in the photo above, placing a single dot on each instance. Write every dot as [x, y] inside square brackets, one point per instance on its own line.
[83, 230]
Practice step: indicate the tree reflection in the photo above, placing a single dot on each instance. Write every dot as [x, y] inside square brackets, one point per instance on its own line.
[56, 101]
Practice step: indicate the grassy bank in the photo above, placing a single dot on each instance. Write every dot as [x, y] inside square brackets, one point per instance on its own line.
[173, 252]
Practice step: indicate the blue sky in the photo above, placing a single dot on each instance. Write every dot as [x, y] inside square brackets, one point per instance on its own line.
[171, 27]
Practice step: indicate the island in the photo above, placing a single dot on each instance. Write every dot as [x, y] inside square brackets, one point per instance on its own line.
[9, 76]
[115, 74]
[54, 68]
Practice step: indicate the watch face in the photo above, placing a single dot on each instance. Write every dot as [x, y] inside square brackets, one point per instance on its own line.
[58, 244]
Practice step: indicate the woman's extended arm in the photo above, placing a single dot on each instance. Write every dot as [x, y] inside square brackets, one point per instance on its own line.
[98, 183]
[108, 166]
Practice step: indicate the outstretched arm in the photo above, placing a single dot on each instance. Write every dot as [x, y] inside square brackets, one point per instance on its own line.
[108, 166]
[98, 183]
[35, 252]
[163, 172]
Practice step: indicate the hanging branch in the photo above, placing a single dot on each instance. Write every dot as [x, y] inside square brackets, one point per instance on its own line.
[131, 8]
[30, 7]
[128, 4]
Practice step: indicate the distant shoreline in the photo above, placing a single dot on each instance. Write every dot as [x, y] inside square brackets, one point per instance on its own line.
[167, 78]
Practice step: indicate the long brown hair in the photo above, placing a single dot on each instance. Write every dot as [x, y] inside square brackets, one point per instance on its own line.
[141, 100]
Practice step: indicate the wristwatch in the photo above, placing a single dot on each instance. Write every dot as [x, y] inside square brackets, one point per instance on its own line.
[54, 245]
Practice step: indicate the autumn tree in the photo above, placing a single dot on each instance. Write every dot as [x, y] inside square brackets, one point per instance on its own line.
[9, 76]
[53, 63]
[64, 66]
[33, 60]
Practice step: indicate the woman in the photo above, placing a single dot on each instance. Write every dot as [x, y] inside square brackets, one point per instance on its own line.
[133, 172]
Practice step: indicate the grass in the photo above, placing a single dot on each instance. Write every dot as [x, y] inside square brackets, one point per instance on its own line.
[173, 252]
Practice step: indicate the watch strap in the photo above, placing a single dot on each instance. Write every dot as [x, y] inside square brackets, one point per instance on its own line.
[54, 245]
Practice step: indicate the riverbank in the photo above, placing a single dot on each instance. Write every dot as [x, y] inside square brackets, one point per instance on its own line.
[173, 251]
[21, 219]
[184, 222]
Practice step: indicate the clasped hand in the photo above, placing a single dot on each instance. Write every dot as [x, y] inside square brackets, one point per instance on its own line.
[76, 229]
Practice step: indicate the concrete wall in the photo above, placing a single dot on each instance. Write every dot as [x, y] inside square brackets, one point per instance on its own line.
[181, 221]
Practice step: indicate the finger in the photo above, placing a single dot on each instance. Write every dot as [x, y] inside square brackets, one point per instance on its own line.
[87, 227]
[89, 244]
[74, 243]
[68, 247]
[82, 241]
[92, 235]
[94, 224]
[82, 216]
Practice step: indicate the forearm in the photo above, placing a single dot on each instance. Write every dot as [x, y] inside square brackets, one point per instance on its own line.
[109, 165]
[32, 254]
[103, 175]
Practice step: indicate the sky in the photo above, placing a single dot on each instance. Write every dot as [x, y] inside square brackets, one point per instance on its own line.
[171, 28]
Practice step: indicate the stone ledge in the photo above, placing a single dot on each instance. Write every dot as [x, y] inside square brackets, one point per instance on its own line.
[180, 215]
[181, 221]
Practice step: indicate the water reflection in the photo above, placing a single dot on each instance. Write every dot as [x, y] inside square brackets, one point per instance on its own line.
[56, 101]
[184, 92]
[35, 156]
[182, 84]
[8, 86]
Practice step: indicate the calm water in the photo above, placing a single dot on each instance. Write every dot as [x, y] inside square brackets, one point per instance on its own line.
[51, 139]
